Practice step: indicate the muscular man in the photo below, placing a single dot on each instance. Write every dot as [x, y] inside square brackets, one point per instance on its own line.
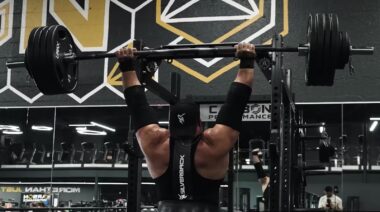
[187, 165]
[262, 177]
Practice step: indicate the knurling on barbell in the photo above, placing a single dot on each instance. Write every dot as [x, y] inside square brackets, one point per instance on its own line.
[52, 61]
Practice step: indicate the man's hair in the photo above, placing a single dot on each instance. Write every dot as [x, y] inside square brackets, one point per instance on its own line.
[328, 189]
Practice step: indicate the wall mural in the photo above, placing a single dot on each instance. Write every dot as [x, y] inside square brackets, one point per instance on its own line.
[107, 25]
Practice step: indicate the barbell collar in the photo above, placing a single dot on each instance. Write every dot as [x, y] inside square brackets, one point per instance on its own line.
[362, 50]
[303, 50]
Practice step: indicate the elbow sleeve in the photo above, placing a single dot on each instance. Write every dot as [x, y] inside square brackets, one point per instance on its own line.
[232, 110]
[142, 114]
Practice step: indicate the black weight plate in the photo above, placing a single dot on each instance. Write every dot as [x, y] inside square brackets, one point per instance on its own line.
[313, 53]
[325, 68]
[49, 49]
[318, 68]
[66, 72]
[32, 43]
[346, 48]
[28, 48]
[334, 46]
[340, 61]
[43, 80]
[35, 60]
[334, 40]
[310, 39]
[49, 83]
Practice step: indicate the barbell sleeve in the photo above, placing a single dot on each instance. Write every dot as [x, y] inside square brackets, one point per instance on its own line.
[362, 50]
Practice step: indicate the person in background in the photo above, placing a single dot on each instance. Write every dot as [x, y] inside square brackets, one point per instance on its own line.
[257, 145]
[330, 201]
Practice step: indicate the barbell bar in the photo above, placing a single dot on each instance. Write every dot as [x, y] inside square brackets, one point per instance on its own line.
[51, 56]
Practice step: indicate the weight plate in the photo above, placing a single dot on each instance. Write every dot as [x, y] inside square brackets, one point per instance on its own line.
[346, 48]
[340, 61]
[313, 52]
[50, 84]
[28, 48]
[319, 47]
[325, 67]
[35, 60]
[44, 81]
[309, 38]
[61, 43]
[334, 47]
[33, 41]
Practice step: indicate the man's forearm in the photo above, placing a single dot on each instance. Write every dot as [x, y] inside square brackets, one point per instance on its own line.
[245, 76]
[130, 79]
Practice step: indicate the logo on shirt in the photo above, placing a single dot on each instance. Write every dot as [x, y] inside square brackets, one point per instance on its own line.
[181, 118]
[182, 192]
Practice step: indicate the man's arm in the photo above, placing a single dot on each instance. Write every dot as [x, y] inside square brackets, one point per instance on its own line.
[261, 175]
[143, 117]
[340, 204]
[321, 203]
[222, 137]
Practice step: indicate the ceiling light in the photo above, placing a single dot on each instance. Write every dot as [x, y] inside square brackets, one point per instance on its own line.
[9, 127]
[80, 125]
[41, 128]
[103, 126]
[321, 129]
[163, 123]
[373, 126]
[247, 160]
[12, 132]
[374, 118]
[85, 131]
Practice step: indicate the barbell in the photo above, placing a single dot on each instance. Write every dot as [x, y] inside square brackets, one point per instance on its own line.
[51, 56]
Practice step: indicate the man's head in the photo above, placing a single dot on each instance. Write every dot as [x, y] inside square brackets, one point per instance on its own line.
[329, 191]
[184, 120]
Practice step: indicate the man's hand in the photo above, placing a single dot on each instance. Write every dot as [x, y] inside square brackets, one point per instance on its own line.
[126, 59]
[247, 53]
[256, 153]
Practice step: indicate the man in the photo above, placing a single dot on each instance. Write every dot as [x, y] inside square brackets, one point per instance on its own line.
[330, 201]
[257, 145]
[187, 165]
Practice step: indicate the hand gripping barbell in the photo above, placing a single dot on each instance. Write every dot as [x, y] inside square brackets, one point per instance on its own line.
[52, 61]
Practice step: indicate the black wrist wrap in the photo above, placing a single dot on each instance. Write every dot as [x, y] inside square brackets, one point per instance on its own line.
[142, 114]
[232, 111]
[247, 63]
[127, 64]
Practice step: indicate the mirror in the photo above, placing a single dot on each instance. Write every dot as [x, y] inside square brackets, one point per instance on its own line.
[323, 151]
[26, 153]
[361, 154]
